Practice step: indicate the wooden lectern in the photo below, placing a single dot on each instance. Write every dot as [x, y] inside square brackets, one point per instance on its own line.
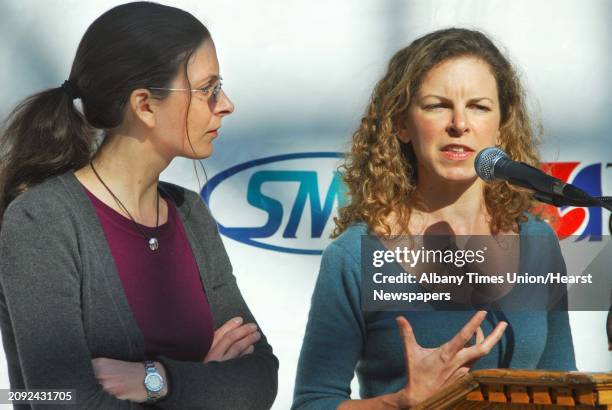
[525, 390]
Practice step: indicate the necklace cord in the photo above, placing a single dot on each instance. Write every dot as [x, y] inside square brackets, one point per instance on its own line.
[123, 206]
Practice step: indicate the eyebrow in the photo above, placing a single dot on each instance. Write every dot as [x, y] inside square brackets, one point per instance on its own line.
[471, 100]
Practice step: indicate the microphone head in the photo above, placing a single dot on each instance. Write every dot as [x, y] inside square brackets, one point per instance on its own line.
[485, 162]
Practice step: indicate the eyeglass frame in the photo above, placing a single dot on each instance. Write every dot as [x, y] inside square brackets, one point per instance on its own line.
[216, 89]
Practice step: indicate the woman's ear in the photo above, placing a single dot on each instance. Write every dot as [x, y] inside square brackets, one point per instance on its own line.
[401, 130]
[140, 104]
[403, 135]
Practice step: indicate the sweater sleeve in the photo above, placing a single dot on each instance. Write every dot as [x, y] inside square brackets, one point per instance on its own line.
[334, 336]
[40, 307]
[246, 382]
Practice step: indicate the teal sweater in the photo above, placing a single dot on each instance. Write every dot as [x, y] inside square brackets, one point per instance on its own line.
[341, 339]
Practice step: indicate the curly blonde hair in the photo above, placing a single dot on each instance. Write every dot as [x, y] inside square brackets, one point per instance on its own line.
[380, 171]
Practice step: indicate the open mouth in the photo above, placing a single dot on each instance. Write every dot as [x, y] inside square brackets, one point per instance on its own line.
[457, 151]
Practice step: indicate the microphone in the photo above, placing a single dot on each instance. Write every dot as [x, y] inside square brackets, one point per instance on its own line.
[492, 163]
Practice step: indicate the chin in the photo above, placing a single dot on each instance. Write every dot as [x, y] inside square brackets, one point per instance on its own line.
[458, 175]
[201, 152]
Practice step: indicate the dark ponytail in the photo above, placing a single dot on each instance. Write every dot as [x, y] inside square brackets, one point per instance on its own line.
[45, 135]
[132, 46]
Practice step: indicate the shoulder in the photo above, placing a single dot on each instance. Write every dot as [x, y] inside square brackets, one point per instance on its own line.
[194, 213]
[540, 248]
[536, 226]
[181, 196]
[186, 200]
[49, 198]
[47, 215]
[339, 278]
[347, 246]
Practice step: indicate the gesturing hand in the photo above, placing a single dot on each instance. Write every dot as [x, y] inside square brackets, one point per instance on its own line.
[233, 339]
[428, 370]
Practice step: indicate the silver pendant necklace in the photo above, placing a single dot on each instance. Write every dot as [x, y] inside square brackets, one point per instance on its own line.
[153, 242]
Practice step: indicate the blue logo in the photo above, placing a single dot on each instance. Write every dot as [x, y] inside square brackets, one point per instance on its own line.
[276, 184]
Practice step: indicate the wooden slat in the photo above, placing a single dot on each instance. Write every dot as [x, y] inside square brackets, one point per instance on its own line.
[518, 394]
[541, 395]
[563, 396]
[586, 396]
[604, 397]
[497, 394]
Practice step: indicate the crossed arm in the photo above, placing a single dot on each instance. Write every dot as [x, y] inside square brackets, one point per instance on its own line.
[124, 380]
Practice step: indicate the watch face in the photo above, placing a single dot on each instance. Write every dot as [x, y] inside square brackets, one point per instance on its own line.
[154, 382]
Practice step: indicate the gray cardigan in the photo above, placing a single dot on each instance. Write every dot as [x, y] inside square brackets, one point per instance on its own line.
[62, 304]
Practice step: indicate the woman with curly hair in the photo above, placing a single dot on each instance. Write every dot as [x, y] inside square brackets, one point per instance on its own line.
[445, 97]
[113, 284]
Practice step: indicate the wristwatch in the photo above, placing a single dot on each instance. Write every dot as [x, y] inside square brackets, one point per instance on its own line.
[153, 382]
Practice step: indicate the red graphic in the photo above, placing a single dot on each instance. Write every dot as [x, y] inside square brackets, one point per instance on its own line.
[568, 221]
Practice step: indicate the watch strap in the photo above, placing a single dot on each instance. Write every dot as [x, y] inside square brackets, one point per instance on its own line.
[152, 396]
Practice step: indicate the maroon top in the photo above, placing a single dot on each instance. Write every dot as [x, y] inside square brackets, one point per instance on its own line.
[163, 287]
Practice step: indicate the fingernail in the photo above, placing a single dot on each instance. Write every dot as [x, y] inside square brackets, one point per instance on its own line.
[238, 320]
[257, 335]
[252, 326]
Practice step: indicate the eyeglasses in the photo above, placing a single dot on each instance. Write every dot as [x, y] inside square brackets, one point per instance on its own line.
[212, 91]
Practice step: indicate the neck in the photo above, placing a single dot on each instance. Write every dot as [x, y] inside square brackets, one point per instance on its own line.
[130, 168]
[457, 206]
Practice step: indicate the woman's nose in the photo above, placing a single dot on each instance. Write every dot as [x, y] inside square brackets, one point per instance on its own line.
[224, 105]
[458, 125]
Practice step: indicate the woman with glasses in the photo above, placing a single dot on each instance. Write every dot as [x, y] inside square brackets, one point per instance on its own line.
[113, 284]
[410, 171]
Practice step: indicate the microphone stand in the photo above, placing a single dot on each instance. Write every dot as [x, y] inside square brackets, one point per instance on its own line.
[558, 200]
[586, 200]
